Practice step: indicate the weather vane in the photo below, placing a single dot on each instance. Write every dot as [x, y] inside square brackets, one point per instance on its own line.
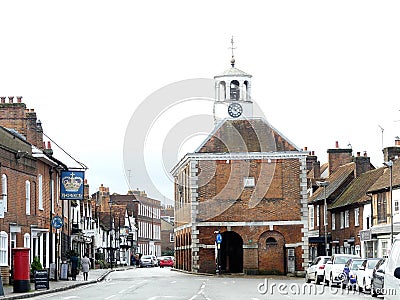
[232, 48]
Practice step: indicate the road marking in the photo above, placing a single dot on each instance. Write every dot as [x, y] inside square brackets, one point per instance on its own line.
[122, 291]
[71, 297]
[112, 296]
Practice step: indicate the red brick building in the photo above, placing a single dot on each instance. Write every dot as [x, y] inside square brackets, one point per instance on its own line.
[248, 183]
[29, 186]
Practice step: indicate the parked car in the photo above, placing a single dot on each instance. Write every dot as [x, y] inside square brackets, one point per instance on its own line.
[351, 269]
[378, 274]
[364, 274]
[334, 268]
[166, 261]
[148, 261]
[315, 270]
[392, 271]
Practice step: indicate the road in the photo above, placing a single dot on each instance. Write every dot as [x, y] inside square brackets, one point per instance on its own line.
[159, 284]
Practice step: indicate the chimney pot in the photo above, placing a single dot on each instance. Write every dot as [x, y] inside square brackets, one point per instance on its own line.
[397, 142]
[11, 99]
[44, 145]
[305, 148]
[48, 145]
[365, 154]
[312, 152]
[358, 153]
[19, 99]
[337, 144]
[3, 99]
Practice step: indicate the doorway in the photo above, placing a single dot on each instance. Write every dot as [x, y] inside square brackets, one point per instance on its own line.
[231, 252]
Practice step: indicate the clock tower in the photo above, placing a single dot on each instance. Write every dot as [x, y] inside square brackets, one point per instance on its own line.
[232, 94]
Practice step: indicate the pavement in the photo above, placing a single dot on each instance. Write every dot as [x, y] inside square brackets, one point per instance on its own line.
[60, 285]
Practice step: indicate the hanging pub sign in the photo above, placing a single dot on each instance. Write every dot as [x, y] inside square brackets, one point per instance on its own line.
[71, 187]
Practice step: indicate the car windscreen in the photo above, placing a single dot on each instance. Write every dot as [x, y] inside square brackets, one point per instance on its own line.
[356, 264]
[372, 263]
[341, 259]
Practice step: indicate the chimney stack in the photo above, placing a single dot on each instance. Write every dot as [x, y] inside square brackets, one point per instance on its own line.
[11, 99]
[338, 157]
[393, 152]
[3, 99]
[19, 99]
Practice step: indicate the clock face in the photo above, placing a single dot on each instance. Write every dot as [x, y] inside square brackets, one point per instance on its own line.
[235, 110]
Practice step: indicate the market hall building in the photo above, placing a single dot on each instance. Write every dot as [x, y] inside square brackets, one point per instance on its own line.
[247, 182]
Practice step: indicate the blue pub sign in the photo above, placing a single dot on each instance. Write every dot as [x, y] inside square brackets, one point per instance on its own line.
[71, 186]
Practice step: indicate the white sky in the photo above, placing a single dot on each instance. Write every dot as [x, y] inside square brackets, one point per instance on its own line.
[322, 70]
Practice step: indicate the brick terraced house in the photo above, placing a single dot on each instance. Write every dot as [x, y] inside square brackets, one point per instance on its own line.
[247, 182]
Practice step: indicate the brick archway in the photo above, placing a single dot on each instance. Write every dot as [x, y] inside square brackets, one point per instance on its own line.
[231, 252]
[271, 253]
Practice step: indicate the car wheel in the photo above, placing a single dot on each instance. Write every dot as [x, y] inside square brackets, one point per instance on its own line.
[318, 279]
[331, 280]
[373, 293]
[308, 280]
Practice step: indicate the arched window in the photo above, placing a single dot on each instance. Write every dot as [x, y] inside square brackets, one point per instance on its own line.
[27, 240]
[4, 190]
[235, 91]
[3, 248]
[271, 242]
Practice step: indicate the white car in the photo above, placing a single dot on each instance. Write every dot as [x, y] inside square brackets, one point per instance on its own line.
[334, 268]
[364, 274]
[392, 272]
[316, 268]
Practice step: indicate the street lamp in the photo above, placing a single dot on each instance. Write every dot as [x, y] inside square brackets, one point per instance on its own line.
[325, 184]
[110, 203]
[389, 164]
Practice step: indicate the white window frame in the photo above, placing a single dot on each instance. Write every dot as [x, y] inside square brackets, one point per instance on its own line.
[333, 221]
[27, 197]
[3, 248]
[357, 216]
[341, 219]
[317, 215]
[52, 196]
[4, 191]
[311, 216]
[40, 191]
[347, 219]
[27, 240]
[171, 237]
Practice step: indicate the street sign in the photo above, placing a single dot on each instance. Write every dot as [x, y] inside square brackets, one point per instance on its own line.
[57, 222]
[219, 238]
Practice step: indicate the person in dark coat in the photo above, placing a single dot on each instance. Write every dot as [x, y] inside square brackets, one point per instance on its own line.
[74, 266]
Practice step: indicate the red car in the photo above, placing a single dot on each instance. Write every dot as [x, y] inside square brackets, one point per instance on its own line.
[166, 261]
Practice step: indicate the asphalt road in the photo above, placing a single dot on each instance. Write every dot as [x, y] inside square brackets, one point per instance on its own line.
[158, 284]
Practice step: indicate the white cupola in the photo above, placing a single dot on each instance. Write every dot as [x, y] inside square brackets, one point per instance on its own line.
[232, 94]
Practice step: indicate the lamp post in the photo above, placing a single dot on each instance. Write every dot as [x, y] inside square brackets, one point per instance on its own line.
[389, 164]
[324, 184]
[110, 203]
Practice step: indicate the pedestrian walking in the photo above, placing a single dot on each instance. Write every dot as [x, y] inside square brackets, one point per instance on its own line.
[85, 263]
[74, 265]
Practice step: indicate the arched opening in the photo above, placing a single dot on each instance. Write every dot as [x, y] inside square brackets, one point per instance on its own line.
[222, 90]
[235, 90]
[231, 252]
[246, 90]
